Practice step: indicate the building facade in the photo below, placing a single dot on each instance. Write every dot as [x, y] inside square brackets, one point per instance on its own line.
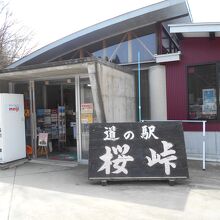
[179, 75]
[193, 85]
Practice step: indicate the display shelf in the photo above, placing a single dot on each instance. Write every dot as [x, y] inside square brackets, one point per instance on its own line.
[53, 122]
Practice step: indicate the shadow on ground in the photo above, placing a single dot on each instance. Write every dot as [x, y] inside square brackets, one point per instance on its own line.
[54, 180]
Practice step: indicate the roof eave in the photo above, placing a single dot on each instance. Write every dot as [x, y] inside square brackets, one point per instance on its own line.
[196, 29]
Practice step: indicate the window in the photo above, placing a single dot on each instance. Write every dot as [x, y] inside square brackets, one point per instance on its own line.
[114, 52]
[169, 42]
[203, 93]
[144, 44]
[120, 49]
[118, 53]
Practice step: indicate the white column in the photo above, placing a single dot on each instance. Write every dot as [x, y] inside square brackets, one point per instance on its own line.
[157, 90]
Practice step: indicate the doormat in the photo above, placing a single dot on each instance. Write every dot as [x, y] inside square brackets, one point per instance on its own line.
[64, 156]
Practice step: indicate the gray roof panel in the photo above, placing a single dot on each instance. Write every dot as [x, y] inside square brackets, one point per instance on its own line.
[149, 15]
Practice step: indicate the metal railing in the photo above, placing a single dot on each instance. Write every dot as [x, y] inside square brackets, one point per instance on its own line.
[172, 44]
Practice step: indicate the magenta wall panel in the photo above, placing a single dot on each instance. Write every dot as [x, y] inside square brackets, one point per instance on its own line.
[194, 51]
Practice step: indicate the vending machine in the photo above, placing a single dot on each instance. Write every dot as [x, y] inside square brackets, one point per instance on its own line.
[12, 127]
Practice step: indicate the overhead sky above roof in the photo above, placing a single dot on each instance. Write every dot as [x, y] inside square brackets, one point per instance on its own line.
[51, 20]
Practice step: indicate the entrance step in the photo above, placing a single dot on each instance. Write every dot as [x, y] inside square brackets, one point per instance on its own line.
[55, 162]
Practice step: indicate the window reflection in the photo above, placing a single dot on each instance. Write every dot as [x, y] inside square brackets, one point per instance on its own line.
[119, 52]
[141, 45]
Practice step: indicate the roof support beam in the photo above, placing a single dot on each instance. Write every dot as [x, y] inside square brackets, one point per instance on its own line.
[180, 36]
[211, 35]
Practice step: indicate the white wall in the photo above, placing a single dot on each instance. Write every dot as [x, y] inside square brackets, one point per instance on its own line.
[193, 142]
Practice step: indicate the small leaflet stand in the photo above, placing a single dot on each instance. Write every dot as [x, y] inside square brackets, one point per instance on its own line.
[43, 144]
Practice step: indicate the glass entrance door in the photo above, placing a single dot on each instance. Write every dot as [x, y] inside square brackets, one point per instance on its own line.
[55, 115]
[86, 115]
[78, 99]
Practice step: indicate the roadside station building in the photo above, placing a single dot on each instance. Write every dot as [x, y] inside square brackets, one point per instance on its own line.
[193, 85]
[93, 75]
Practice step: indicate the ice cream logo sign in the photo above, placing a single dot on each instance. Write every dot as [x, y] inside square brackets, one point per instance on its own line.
[13, 108]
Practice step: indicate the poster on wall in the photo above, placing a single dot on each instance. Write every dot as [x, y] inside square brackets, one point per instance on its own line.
[209, 106]
[209, 109]
[87, 113]
[87, 108]
[86, 118]
[208, 96]
[43, 139]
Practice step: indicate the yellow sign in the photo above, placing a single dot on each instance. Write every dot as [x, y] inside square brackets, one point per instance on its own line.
[86, 118]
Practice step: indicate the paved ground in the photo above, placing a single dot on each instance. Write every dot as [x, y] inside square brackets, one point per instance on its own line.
[34, 191]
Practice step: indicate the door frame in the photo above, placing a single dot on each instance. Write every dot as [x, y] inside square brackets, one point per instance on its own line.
[31, 84]
[78, 118]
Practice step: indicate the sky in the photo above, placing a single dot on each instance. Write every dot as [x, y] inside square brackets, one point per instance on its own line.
[51, 20]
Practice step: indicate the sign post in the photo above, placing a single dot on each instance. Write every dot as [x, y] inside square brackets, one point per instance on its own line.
[137, 151]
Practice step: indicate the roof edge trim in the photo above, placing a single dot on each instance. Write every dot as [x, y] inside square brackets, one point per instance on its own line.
[194, 27]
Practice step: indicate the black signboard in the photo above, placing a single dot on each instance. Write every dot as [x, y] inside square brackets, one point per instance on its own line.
[148, 150]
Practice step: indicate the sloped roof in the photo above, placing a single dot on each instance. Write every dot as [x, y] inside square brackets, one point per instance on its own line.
[145, 16]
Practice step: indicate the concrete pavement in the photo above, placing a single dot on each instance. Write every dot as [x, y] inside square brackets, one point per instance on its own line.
[35, 191]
